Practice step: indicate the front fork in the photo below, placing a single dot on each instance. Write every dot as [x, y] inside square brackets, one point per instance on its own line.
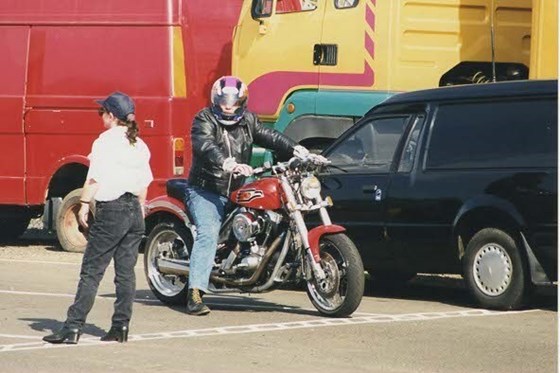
[297, 216]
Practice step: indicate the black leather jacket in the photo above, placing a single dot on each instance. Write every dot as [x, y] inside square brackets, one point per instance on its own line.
[213, 142]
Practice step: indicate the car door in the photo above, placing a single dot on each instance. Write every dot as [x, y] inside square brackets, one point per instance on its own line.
[358, 180]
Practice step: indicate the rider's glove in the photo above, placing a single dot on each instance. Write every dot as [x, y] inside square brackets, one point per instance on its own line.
[317, 159]
[232, 167]
[300, 152]
[229, 165]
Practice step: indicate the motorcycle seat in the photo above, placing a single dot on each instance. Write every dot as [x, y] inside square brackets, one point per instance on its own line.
[175, 188]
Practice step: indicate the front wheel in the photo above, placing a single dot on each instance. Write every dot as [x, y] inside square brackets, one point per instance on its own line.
[167, 240]
[341, 292]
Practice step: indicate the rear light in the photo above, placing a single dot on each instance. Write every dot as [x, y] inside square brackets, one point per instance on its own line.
[178, 156]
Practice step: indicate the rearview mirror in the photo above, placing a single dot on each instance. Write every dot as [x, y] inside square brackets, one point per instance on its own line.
[261, 8]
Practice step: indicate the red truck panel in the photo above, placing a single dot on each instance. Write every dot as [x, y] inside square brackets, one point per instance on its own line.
[81, 50]
[13, 44]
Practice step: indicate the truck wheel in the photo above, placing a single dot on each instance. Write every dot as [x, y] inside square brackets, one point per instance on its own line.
[12, 228]
[495, 271]
[71, 235]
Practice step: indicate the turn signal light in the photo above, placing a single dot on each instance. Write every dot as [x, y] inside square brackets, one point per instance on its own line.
[178, 156]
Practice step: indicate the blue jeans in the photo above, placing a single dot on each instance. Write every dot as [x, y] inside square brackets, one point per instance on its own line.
[207, 210]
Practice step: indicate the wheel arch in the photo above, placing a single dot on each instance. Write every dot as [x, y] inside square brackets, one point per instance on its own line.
[68, 175]
[486, 212]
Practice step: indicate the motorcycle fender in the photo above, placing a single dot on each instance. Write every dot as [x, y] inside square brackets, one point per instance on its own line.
[315, 235]
[168, 205]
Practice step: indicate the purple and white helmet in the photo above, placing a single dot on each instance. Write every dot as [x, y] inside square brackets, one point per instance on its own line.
[229, 91]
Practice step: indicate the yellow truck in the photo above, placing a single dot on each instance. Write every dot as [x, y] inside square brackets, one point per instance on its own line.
[314, 66]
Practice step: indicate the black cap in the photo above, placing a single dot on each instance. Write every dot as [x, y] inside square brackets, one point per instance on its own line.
[118, 103]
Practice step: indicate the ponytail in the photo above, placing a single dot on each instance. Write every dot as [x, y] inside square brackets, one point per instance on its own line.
[132, 128]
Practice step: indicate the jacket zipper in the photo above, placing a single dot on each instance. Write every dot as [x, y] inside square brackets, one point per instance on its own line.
[229, 152]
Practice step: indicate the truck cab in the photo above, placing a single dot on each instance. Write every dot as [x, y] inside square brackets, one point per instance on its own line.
[294, 53]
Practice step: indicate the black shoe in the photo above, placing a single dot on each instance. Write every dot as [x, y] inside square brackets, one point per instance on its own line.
[64, 335]
[116, 334]
[194, 303]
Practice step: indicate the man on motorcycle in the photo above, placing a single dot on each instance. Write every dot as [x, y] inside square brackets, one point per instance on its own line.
[222, 136]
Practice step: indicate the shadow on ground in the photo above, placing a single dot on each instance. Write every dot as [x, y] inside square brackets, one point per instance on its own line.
[49, 326]
[451, 290]
[237, 303]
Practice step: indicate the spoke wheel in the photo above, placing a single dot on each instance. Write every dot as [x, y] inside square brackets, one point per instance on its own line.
[340, 293]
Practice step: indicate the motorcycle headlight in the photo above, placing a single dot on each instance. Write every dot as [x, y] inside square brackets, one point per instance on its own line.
[311, 187]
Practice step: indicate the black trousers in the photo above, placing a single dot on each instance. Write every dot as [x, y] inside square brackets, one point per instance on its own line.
[115, 234]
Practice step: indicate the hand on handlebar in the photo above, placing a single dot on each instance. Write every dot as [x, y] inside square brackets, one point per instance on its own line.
[300, 152]
[242, 169]
[317, 159]
[237, 169]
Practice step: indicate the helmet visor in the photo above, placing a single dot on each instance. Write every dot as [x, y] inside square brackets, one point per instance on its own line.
[229, 99]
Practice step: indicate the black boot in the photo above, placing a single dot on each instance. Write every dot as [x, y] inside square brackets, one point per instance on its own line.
[64, 335]
[194, 303]
[116, 333]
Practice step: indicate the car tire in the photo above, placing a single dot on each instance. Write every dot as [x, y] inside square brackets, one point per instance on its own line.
[495, 270]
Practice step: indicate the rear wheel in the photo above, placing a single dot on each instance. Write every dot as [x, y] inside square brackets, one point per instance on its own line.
[341, 292]
[495, 270]
[71, 235]
[167, 240]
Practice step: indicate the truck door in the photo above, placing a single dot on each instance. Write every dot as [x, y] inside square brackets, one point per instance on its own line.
[345, 58]
[273, 49]
[358, 181]
[14, 41]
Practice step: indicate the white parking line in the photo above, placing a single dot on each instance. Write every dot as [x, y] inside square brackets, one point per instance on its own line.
[243, 329]
[40, 262]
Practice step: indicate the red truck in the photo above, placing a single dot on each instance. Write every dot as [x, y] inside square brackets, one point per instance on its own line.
[58, 56]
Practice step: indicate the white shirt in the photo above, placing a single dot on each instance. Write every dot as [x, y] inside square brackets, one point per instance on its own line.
[117, 166]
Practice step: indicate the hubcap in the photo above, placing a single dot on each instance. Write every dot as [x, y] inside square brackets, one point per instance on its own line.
[492, 269]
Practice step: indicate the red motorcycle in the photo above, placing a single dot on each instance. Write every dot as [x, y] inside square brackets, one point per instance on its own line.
[264, 242]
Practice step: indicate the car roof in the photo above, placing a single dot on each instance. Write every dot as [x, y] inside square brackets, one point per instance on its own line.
[500, 89]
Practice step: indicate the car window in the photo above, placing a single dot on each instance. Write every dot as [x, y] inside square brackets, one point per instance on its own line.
[371, 147]
[317, 132]
[522, 133]
[291, 6]
[411, 145]
[343, 4]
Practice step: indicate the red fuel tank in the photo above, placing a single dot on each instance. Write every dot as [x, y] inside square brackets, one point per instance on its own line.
[263, 194]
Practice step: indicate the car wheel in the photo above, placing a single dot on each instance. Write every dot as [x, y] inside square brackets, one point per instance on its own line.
[495, 270]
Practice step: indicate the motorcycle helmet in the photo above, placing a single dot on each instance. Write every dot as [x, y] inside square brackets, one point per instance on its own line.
[229, 91]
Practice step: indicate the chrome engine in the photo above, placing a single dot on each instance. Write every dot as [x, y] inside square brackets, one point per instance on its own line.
[252, 229]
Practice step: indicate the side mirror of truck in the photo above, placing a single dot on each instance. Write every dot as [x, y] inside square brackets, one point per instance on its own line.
[260, 9]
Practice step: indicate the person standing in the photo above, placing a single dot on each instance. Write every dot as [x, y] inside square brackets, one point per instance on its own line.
[222, 136]
[118, 179]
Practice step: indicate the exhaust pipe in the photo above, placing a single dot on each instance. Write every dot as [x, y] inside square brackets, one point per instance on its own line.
[172, 266]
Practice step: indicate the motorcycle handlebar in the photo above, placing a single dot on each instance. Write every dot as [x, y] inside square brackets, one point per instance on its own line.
[293, 163]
